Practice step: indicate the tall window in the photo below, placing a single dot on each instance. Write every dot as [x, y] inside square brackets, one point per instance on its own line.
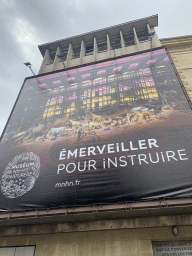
[115, 42]
[129, 39]
[51, 58]
[143, 36]
[63, 55]
[76, 51]
[89, 49]
[102, 46]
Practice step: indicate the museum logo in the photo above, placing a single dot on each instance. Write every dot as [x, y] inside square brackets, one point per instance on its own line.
[20, 175]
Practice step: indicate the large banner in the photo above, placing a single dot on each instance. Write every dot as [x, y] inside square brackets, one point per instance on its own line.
[110, 132]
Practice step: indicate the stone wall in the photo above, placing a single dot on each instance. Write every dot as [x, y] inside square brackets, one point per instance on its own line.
[125, 237]
[180, 49]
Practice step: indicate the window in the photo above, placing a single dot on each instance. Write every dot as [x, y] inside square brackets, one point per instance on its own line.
[89, 49]
[63, 55]
[51, 58]
[76, 51]
[115, 42]
[129, 39]
[102, 46]
[18, 251]
[143, 36]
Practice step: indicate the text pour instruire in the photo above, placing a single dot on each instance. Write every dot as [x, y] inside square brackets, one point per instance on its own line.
[128, 157]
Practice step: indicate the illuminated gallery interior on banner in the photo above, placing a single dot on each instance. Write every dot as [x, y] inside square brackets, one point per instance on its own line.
[96, 155]
[98, 89]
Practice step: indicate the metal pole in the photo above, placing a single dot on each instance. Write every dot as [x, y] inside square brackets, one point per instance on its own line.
[32, 70]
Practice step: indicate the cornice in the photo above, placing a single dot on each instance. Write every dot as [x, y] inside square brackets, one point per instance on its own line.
[177, 41]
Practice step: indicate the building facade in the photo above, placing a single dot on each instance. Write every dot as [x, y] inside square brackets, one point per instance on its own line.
[158, 227]
[98, 45]
[180, 49]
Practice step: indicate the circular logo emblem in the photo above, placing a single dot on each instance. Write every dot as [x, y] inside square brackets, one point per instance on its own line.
[20, 175]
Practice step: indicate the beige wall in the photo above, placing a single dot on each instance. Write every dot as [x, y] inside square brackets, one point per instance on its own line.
[180, 49]
[125, 237]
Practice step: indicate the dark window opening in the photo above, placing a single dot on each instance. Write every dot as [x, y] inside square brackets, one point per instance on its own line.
[115, 42]
[63, 55]
[129, 39]
[89, 49]
[51, 58]
[102, 46]
[143, 36]
[76, 51]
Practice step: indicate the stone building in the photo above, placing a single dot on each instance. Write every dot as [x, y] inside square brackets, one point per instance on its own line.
[147, 228]
[180, 49]
[98, 45]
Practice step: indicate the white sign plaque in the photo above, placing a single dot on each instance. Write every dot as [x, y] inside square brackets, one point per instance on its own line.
[175, 248]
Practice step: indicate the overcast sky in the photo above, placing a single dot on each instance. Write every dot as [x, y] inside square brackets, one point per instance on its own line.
[26, 24]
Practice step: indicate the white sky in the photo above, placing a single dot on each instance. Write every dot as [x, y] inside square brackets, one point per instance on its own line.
[26, 24]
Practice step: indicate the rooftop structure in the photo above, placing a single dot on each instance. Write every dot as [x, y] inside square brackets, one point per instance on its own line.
[101, 44]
